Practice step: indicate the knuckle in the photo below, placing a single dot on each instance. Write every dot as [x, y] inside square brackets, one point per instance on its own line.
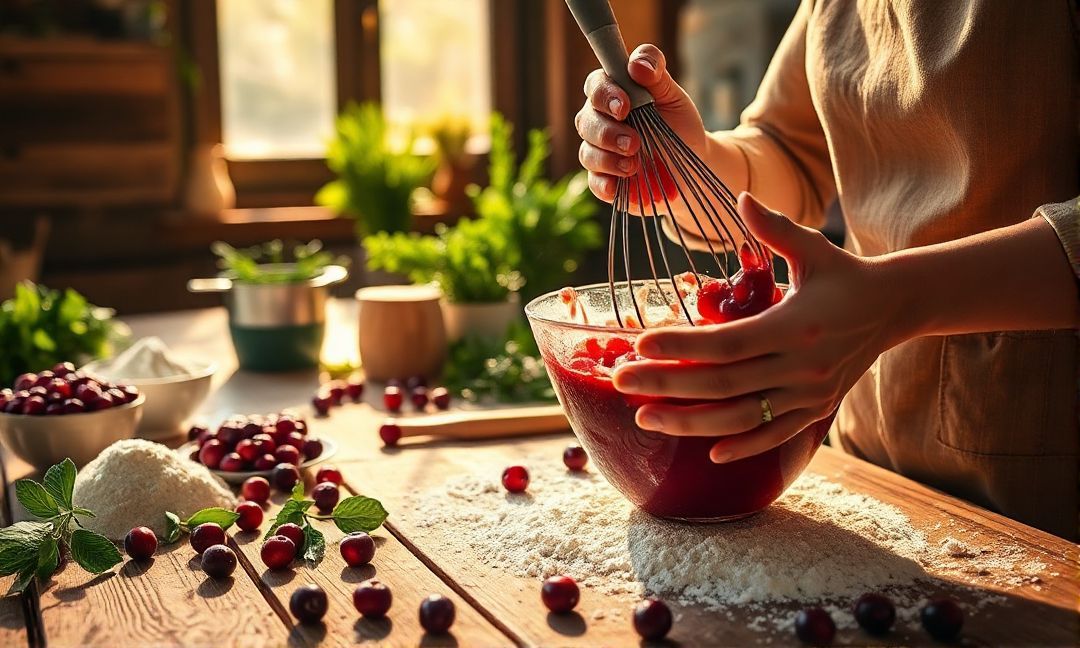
[811, 333]
[720, 384]
[729, 346]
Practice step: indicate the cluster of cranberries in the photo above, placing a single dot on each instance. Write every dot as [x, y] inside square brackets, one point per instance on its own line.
[416, 388]
[334, 393]
[63, 390]
[515, 479]
[595, 357]
[941, 617]
[652, 617]
[216, 559]
[257, 443]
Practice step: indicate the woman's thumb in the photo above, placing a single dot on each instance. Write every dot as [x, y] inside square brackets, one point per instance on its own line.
[648, 67]
[775, 230]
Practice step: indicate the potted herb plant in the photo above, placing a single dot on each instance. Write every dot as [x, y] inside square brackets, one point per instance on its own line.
[529, 236]
[277, 304]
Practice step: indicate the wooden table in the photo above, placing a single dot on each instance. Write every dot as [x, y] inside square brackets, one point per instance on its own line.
[170, 601]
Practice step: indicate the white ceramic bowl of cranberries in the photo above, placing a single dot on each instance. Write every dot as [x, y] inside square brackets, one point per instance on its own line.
[45, 428]
[171, 401]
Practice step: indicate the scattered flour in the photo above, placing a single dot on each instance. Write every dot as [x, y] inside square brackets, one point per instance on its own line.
[819, 542]
[133, 482]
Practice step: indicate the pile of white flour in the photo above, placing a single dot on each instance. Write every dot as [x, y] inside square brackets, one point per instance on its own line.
[133, 482]
[819, 542]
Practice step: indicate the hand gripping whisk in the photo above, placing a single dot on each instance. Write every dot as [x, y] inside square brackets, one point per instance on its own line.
[671, 175]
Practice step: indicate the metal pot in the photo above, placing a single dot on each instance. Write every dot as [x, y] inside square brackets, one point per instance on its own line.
[276, 327]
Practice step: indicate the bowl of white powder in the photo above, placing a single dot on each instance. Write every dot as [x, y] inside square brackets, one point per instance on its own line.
[174, 386]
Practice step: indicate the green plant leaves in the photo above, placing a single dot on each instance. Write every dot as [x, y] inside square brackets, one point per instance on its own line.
[359, 513]
[219, 516]
[35, 499]
[92, 551]
[172, 528]
[297, 491]
[48, 558]
[59, 481]
[314, 544]
[19, 546]
[291, 512]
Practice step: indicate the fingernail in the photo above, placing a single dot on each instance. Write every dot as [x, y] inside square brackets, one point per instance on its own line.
[647, 62]
[625, 164]
[651, 421]
[623, 142]
[648, 348]
[720, 456]
[627, 382]
[615, 106]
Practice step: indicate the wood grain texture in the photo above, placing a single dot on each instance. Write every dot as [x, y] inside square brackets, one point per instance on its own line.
[408, 579]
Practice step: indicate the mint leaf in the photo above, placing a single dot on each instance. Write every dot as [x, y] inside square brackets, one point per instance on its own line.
[21, 582]
[291, 512]
[78, 510]
[94, 552]
[359, 513]
[172, 528]
[48, 558]
[298, 491]
[19, 546]
[35, 499]
[60, 482]
[219, 516]
[314, 544]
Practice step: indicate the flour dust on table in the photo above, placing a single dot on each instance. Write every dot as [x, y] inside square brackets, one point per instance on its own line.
[818, 543]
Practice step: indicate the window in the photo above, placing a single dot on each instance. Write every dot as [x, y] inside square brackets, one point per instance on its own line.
[278, 77]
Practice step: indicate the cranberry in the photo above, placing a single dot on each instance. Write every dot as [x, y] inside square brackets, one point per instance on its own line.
[140, 543]
[229, 435]
[232, 462]
[34, 406]
[285, 476]
[328, 474]
[336, 389]
[943, 619]
[247, 450]
[206, 535]
[277, 552]
[105, 401]
[130, 392]
[251, 516]
[322, 402]
[25, 381]
[437, 614]
[419, 397]
[196, 431]
[204, 437]
[255, 489]
[390, 433]
[5, 396]
[575, 457]
[285, 424]
[87, 392]
[652, 619]
[287, 454]
[60, 386]
[265, 462]
[292, 532]
[326, 496]
[250, 429]
[875, 613]
[301, 426]
[515, 479]
[54, 409]
[15, 405]
[392, 399]
[62, 368]
[295, 439]
[355, 390]
[308, 603]
[264, 444]
[560, 594]
[44, 378]
[357, 548]
[441, 397]
[372, 599]
[74, 406]
[211, 454]
[312, 448]
[39, 390]
[218, 561]
[118, 397]
[814, 626]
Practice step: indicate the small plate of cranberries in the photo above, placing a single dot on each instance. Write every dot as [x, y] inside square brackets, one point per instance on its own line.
[242, 447]
[61, 412]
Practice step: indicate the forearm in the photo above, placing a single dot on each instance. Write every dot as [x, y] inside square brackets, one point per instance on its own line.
[967, 285]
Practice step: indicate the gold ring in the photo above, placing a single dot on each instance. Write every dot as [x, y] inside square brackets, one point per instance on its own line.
[766, 410]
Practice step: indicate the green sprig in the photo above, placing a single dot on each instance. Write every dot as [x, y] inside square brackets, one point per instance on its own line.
[357, 513]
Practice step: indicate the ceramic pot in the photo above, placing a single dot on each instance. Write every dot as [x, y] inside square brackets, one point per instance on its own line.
[482, 319]
[401, 331]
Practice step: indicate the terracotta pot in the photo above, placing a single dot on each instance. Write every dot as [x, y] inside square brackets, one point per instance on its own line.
[401, 331]
[483, 319]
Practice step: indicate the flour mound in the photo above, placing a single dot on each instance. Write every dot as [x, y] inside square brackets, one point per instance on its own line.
[133, 482]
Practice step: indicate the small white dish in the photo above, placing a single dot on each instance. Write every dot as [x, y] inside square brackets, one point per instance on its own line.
[330, 448]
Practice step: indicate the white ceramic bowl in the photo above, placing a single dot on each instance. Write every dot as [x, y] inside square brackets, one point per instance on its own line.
[43, 441]
[170, 402]
[330, 448]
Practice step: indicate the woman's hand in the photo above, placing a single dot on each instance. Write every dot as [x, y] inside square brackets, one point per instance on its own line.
[803, 354]
[609, 147]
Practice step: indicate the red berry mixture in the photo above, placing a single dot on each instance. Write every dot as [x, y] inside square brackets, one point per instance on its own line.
[140, 543]
[372, 599]
[515, 479]
[560, 594]
[357, 549]
[251, 516]
[750, 291]
[652, 619]
[277, 552]
[437, 614]
[575, 457]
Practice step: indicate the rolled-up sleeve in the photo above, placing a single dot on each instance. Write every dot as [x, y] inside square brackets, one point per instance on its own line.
[1064, 218]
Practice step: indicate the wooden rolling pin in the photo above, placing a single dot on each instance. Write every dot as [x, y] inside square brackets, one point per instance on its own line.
[486, 424]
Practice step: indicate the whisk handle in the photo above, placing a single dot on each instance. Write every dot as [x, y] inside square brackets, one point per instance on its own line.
[597, 22]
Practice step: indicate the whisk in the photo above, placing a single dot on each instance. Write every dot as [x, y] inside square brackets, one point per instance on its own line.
[670, 173]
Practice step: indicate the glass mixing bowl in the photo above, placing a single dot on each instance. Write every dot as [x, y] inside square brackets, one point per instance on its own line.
[667, 476]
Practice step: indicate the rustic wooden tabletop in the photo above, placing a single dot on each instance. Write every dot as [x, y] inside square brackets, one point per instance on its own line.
[170, 601]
